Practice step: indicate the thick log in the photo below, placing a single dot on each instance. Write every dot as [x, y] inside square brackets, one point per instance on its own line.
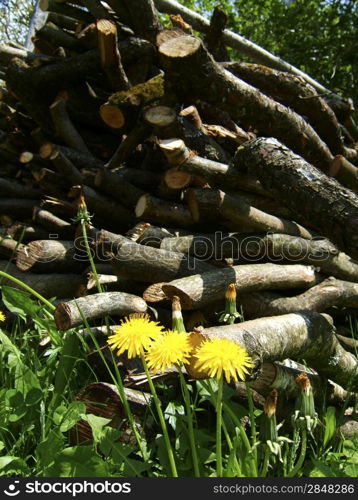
[319, 298]
[57, 37]
[48, 285]
[54, 225]
[319, 200]
[26, 233]
[68, 314]
[144, 263]
[239, 213]
[305, 335]
[17, 207]
[151, 209]
[298, 94]
[202, 289]
[46, 256]
[109, 54]
[50, 182]
[242, 101]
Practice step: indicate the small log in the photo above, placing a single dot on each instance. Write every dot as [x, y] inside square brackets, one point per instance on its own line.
[25, 233]
[144, 263]
[64, 127]
[239, 213]
[144, 18]
[213, 38]
[9, 247]
[155, 210]
[319, 200]
[46, 256]
[113, 283]
[216, 173]
[78, 158]
[109, 54]
[66, 168]
[61, 21]
[319, 298]
[123, 107]
[305, 335]
[199, 290]
[187, 65]
[97, 10]
[65, 9]
[135, 137]
[166, 124]
[109, 242]
[68, 314]
[57, 37]
[117, 187]
[50, 182]
[48, 285]
[51, 223]
[104, 207]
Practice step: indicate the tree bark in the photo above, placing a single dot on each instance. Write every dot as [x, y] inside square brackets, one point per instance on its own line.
[201, 289]
[319, 200]
[155, 210]
[118, 188]
[68, 314]
[144, 263]
[305, 335]
[319, 298]
[144, 18]
[298, 94]
[187, 65]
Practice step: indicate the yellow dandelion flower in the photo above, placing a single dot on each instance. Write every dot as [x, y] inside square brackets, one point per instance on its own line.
[135, 334]
[171, 348]
[195, 340]
[222, 356]
[2, 316]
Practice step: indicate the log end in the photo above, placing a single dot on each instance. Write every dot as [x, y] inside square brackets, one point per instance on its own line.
[180, 47]
[160, 116]
[154, 293]
[176, 179]
[171, 291]
[62, 316]
[142, 204]
[112, 116]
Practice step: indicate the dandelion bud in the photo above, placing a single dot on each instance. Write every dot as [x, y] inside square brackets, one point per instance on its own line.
[230, 314]
[177, 317]
[305, 414]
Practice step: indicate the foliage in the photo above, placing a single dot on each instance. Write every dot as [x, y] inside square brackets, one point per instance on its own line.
[15, 19]
[318, 36]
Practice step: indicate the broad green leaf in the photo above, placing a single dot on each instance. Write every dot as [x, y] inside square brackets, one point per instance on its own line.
[67, 416]
[329, 425]
[47, 450]
[98, 426]
[78, 461]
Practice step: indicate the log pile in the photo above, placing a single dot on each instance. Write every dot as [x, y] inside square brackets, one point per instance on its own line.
[199, 172]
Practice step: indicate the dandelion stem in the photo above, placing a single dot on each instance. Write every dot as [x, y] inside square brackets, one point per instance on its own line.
[219, 407]
[28, 289]
[302, 456]
[90, 258]
[161, 419]
[266, 462]
[186, 397]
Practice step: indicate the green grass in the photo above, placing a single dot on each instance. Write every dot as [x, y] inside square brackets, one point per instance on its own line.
[39, 383]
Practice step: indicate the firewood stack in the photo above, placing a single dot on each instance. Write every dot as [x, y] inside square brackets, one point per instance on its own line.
[198, 172]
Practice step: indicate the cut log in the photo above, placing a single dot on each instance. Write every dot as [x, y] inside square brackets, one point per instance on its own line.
[109, 54]
[144, 18]
[319, 200]
[68, 314]
[46, 256]
[118, 188]
[66, 168]
[305, 335]
[199, 290]
[319, 298]
[79, 159]
[13, 189]
[48, 285]
[155, 210]
[144, 263]
[51, 223]
[65, 9]
[298, 94]
[216, 173]
[239, 213]
[187, 65]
